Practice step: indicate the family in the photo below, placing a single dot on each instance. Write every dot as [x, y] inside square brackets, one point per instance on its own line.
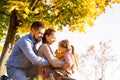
[32, 56]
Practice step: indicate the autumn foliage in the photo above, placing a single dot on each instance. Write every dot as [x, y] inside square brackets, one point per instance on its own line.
[54, 13]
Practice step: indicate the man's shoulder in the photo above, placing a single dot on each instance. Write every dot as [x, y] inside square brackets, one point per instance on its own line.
[26, 37]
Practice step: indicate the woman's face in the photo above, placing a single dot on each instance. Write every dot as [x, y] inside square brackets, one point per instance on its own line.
[51, 38]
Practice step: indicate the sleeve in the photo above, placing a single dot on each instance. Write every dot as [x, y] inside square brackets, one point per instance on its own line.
[68, 61]
[51, 58]
[26, 47]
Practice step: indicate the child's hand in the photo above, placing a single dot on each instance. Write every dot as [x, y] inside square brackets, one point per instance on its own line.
[66, 65]
[58, 54]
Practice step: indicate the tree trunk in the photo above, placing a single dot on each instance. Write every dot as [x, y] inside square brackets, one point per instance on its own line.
[8, 42]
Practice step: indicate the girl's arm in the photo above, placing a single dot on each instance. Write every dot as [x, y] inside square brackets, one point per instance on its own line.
[68, 61]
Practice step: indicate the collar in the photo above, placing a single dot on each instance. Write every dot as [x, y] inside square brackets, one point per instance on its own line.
[33, 40]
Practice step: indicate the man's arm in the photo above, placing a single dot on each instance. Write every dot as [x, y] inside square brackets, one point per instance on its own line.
[49, 55]
[26, 47]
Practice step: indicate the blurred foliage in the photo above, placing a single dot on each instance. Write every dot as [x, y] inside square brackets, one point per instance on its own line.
[1, 47]
[54, 13]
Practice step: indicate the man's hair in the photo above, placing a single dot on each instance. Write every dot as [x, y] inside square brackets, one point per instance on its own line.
[36, 25]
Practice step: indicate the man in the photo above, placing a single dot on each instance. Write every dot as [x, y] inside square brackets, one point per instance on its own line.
[22, 62]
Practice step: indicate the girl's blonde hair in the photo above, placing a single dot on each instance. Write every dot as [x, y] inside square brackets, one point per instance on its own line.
[66, 44]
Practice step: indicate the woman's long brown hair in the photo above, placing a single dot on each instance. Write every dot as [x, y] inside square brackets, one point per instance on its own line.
[47, 32]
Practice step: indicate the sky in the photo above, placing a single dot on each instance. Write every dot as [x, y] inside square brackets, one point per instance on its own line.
[106, 27]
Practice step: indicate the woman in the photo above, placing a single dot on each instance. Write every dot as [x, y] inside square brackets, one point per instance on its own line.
[46, 52]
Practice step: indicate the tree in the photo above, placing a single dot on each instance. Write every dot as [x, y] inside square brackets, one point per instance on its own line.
[98, 58]
[17, 15]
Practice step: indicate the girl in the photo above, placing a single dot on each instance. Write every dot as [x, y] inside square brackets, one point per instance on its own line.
[66, 52]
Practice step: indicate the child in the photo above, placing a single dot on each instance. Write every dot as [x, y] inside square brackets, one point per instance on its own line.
[66, 52]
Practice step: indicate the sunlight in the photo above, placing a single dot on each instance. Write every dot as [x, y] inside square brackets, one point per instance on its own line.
[106, 28]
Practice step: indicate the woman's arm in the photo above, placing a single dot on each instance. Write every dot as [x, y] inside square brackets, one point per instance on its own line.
[26, 47]
[51, 58]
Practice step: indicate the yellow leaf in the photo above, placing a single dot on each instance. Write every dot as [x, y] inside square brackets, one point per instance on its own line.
[52, 13]
[59, 5]
[118, 1]
[36, 11]
[57, 10]
[72, 28]
[1, 47]
[27, 11]
[60, 28]
[25, 16]
[12, 8]
[81, 28]
[91, 23]
[23, 30]
[102, 9]
[52, 27]
[53, 1]
[110, 6]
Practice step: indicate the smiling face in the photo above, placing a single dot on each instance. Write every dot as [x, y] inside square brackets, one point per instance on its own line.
[51, 38]
[38, 34]
[64, 46]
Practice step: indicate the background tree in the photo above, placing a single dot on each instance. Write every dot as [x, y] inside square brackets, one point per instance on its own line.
[99, 58]
[16, 17]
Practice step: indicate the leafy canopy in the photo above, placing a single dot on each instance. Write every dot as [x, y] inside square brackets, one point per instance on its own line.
[54, 13]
